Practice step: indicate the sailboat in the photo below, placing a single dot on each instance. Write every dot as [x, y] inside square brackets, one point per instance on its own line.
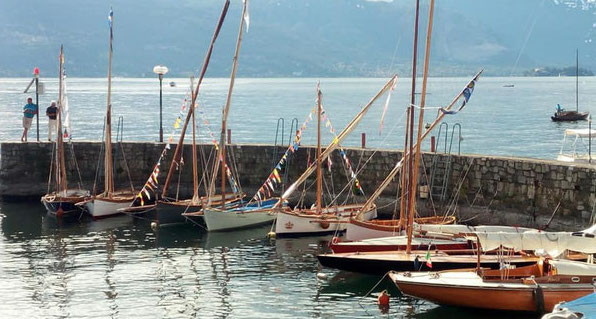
[166, 210]
[242, 215]
[567, 116]
[62, 201]
[321, 220]
[108, 203]
[358, 228]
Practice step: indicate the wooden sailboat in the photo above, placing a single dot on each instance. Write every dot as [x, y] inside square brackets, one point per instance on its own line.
[168, 210]
[358, 228]
[569, 116]
[62, 201]
[244, 215]
[110, 201]
[320, 220]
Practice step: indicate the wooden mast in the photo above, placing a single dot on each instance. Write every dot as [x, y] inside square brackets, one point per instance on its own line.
[108, 171]
[404, 178]
[407, 176]
[319, 159]
[60, 161]
[576, 80]
[221, 156]
[176, 157]
[195, 181]
[414, 175]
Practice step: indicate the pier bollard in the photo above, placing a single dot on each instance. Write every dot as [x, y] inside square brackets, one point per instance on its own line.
[432, 144]
[363, 140]
[229, 136]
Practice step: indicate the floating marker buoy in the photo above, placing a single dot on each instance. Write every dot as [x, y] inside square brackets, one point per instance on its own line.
[154, 226]
[271, 235]
[383, 299]
[321, 276]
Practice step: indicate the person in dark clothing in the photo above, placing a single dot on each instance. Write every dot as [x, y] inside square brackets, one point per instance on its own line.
[51, 112]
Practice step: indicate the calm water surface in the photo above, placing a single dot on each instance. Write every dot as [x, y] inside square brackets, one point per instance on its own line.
[498, 121]
[120, 268]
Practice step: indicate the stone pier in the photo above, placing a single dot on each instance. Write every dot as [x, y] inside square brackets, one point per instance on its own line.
[479, 188]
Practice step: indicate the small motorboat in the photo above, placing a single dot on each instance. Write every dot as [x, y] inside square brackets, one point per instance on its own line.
[172, 84]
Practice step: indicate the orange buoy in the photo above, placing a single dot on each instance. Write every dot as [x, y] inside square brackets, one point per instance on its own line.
[59, 212]
[383, 299]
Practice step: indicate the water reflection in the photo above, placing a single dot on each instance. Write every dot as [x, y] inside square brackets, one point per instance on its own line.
[121, 268]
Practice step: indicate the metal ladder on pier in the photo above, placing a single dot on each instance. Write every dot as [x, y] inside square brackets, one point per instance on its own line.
[279, 148]
[441, 163]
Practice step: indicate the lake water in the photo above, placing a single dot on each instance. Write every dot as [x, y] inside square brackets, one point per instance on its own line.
[497, 121]
[120, 268]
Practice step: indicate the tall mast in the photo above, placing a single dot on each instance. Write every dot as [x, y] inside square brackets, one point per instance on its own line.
[404, 178]
[195, 177]
[414, 177]
[108, 171]
[576, 80]
[221, 154]
[195, 181]
[407, 177]
[60, 161]
[319, 160]
[176, 157]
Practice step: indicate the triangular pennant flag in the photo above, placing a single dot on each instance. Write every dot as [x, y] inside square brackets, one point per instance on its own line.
[276, 174]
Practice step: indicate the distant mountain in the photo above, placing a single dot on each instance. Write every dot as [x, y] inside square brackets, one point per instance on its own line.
[294, 37]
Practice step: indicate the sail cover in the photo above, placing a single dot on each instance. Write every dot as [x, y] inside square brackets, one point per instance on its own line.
[465, 229]
[553, 243]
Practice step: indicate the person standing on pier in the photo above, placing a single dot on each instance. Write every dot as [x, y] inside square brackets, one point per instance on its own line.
[29, 111]
[51, 113]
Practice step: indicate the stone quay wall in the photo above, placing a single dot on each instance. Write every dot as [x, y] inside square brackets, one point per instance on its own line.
[479, 189]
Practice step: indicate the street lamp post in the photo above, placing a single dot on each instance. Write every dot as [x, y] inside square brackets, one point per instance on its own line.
[160, 70]
[36, 74]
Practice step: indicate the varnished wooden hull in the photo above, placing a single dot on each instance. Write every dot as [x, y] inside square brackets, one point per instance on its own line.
[63, 206]
[491, 295]
[360, 229]
[501, 299]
